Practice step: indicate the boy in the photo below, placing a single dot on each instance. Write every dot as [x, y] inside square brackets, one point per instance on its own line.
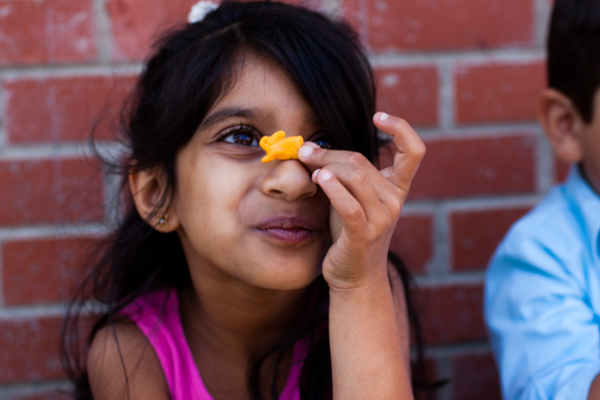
[542, 301]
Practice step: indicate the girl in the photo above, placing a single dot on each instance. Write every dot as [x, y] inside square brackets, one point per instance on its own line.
[229, 278]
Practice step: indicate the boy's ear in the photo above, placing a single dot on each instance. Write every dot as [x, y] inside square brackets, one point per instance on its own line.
[147, 188]
[562, 124]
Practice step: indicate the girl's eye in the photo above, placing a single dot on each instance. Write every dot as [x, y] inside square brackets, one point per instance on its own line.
[323, 144]
[241, 138]
[323, 140]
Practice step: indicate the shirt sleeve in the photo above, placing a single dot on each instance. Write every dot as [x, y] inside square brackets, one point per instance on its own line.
[543, 330]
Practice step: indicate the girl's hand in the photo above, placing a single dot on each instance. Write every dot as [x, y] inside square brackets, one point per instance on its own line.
[366, 203]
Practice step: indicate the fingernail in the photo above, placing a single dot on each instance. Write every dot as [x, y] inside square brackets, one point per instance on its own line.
[314, 174]
[325, 175]
[305, 151]
[383, 116]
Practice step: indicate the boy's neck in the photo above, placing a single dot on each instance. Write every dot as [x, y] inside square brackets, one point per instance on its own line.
[588, 175]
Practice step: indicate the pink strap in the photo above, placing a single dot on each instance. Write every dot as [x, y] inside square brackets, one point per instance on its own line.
[157, 316]
[291, 391]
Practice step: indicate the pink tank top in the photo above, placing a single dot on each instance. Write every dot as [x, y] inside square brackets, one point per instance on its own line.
[157, 316]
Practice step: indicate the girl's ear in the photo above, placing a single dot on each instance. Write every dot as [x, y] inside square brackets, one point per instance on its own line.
[147, 188]
[562, 124]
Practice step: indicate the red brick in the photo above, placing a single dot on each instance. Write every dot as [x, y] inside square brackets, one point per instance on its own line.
[463, 167]
[497, 92]
[62, 109]
[136, 24]
[50, 191]
[354, 13]
[29, 350]
[475, 235]
[311, 4]
[475, 377]
[46, 31]
[441, 24]
[451, 314]
[412, 240]
[409, 92]
[43, 270]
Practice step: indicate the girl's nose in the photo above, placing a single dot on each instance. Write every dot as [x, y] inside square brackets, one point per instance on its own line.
[288, 180]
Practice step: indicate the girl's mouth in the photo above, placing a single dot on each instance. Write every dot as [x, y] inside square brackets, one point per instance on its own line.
[289, 230]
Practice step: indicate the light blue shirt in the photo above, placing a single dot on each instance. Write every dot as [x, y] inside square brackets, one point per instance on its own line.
[542, 297]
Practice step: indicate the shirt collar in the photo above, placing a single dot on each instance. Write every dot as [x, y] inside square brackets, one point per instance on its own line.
[588, 202]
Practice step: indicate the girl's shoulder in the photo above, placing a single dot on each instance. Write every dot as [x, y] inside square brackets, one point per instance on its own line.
[122, 364]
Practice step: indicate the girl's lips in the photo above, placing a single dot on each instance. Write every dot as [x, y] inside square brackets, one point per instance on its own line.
[288, 229]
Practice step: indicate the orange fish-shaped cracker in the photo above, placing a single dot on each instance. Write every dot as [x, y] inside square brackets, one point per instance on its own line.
[280, 147]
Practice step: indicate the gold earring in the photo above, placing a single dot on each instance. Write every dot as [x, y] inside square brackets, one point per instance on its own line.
[163, 221]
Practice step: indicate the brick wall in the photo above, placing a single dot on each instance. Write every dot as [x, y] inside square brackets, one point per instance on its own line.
[465, 73]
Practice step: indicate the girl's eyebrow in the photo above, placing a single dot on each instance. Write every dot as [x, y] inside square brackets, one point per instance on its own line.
[225, 113]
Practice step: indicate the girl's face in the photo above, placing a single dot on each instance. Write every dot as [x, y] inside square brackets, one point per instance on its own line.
[241, 220]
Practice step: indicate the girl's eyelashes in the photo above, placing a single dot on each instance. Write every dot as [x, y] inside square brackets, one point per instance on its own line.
[323, 144]
[240, 135]
[323, 141]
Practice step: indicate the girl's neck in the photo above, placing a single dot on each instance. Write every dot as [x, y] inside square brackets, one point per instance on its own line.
[224, 331]
[237, 319]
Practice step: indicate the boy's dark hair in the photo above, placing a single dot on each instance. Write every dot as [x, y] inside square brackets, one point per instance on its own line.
[574, 52]
[184, 77]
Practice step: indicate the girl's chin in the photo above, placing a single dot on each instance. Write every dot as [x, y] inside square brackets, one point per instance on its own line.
[282, 280]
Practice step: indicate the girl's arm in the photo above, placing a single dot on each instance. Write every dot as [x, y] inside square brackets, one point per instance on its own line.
[367, 352]
[368, 358]
[368, 348]
[122, 365]
[401, 312]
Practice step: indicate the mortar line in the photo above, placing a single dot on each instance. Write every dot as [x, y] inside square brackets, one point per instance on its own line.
[3, 114]
[439, 262]
[490, 203]
[446, 107]
[71, 70]
[451, 278]
[481, 130]
[10, 390]
[2, 301]
[103, 31]
[512, 55]
[52, 231]
[450, 350]
[24, 312]
[541, 15]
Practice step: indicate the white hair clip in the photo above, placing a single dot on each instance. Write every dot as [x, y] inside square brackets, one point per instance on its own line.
[199, 11]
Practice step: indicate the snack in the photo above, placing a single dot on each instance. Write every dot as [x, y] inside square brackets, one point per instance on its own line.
[280, 147]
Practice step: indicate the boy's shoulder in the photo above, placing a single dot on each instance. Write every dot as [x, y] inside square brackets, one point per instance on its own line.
[547, 219]
[564, 226]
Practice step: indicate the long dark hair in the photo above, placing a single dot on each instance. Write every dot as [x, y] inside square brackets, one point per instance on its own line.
[190, 68]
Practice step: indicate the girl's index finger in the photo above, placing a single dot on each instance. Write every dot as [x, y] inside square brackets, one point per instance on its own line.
[411, 149]
[313, 155]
